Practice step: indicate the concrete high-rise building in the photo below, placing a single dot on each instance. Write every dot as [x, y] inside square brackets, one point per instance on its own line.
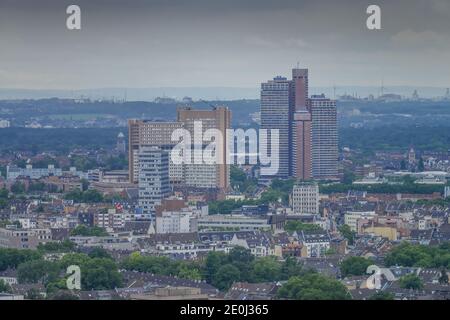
[301, 145]
[276, 114]
[203, 175]
[305, 198]
[324, 137]
[153, 178]
[284, 107]
[301, 127]
[145, 133]
[300, 88]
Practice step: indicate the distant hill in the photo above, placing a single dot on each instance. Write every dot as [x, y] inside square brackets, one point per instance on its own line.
[208, 93]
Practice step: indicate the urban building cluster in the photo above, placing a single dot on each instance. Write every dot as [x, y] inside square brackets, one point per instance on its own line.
[224, 231]
[308, 147]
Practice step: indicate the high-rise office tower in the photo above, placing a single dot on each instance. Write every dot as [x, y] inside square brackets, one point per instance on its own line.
[276, 114]
[324, 137]
[205, 175]
[301, 145]
[153, 178]
[301, 127]
[300, 88]
[145, 133]
[284, 107]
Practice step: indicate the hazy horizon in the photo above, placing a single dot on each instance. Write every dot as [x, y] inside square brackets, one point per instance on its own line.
[200, 43]
[207, 93]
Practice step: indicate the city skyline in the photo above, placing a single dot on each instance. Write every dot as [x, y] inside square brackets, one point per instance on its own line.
[142, 161]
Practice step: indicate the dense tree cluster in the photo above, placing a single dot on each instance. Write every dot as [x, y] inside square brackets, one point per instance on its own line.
[4, 287]
[411, 255]
[347, 233]
[82, 230]
[382, 295]
[3, 198]
[88, 196]
[411, 281]
[369, 140]
[241, 182]
[162, 266]
[313, 286]
[12, 258]
[414, 188]
[61, 140]
[299, 226]
[354, 266]
[99, 271]
[63, 246]
[219, 269]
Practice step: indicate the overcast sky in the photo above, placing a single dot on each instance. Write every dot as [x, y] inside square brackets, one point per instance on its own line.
[237, 43]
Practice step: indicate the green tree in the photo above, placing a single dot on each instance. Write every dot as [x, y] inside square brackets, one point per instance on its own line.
[354, 266]
[88, 196]
[382, 295]
[347, 233]
[225, 276]
[214, 260]
[266, 269]
[443, 279]
[35, 271]
[18, 188]
[313, 286]
[96, 273]
[410, 281]
[73, 259]
[100, 274]
[421, 166]
[242, 259]
[3, 203]
[299, 226]
[11, 258]
[240, 181]
[403, 164]
[4, 287]
[33, 294]
[63, 295]
[63, 246]
[2, 171]
[4, 193]
[150, 264]
[99, 252]
[185, 272]
[82, 230]
[85, 184]
[412, 255]
[349, 176]
[291, 267]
